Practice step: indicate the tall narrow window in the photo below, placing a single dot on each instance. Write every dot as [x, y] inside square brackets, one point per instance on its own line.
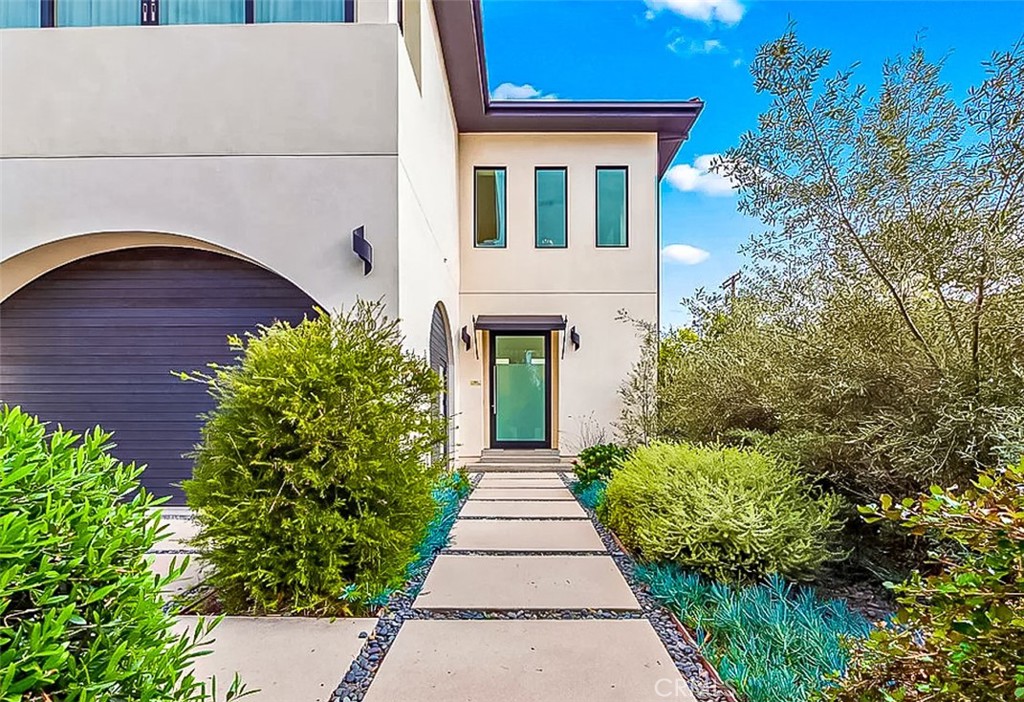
[202, 12]
[300, 11]
[612, 208]
[551, 216]
[489, 207]
[98, 13]
[20, 13]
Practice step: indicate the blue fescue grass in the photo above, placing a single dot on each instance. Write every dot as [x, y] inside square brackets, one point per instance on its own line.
[448, 495]
[773, 642]
[590, 495]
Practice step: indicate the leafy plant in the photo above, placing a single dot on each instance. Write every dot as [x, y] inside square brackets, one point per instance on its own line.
[881, 311]
[598, 462]
[81, 612]
[733, 514]
[590, 495]
[959, 633]
[772, 642]
[310, 484]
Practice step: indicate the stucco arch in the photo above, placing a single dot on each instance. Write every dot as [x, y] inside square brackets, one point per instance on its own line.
[22, 268]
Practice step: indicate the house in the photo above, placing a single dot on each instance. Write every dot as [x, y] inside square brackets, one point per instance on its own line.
[243, 160]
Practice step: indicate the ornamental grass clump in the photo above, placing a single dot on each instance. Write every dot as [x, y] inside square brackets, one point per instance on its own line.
[81, 612]
[733, 514]
[772, 642]
[313, 480]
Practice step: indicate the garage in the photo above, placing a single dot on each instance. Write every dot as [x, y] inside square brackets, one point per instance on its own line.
[95, 342]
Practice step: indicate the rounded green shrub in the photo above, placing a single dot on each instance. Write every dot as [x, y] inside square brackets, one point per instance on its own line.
[81, 615]
[313, 480]
[597, 462]
[733, 514]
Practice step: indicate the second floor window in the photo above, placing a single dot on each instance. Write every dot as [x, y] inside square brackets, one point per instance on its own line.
[551, 218]
[489, 211]
[612, 207]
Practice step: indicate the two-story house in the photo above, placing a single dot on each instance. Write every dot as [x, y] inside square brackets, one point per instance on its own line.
[176, 170]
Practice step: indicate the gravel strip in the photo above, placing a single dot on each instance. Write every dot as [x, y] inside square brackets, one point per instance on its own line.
[690, 663]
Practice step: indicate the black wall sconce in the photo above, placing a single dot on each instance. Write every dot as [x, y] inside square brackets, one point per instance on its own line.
[363, 249]
[574, 337]
[466, 338]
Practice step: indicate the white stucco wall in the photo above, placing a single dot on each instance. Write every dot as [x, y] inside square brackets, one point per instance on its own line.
[587, 284]
[428, 226]
[273, 141]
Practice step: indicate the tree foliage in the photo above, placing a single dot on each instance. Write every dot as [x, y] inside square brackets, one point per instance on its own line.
[878, 331]
[959, 633]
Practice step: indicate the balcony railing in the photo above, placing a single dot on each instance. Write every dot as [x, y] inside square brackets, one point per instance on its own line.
[97, 13]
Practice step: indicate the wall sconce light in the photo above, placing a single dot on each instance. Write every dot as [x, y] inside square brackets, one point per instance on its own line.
[363, 249]
[574, 337]
[466, 338]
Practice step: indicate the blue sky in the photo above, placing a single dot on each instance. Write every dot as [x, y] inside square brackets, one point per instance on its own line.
[678, 49]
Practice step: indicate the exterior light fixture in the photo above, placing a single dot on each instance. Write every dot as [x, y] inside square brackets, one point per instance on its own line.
[466, 338]
[574, 337]
[363, 249]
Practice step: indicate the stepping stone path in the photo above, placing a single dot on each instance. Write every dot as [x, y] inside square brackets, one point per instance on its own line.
[527, 605]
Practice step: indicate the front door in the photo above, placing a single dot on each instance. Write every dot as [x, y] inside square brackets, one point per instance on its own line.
[520, 390]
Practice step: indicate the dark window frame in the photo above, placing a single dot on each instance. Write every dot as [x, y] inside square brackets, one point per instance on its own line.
[597, 206]
[536, 206]
[477, 169]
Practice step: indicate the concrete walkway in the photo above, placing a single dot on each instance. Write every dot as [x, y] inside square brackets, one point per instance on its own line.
[566, 625]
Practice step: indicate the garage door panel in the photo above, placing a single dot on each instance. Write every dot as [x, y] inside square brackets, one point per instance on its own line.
[94, 342]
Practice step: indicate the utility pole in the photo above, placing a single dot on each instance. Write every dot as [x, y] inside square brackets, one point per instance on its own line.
[729, 285]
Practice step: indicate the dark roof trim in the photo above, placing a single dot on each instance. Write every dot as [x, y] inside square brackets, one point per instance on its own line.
[519, 322]
[461, 28]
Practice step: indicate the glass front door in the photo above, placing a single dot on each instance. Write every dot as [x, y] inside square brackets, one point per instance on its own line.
[520, 380]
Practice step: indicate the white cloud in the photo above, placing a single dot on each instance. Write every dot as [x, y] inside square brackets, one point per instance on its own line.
[724, 11]
[737, 62]
[698, 178]
[511, 91]
[681, 45]
[685, 254]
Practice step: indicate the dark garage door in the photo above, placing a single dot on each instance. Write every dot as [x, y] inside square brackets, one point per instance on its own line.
[95, 341]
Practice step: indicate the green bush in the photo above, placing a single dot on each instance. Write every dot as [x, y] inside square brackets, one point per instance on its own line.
[597, 462]
[312, 484]
[959, 633]
[772, 642]
[730, 513]
[81, 615]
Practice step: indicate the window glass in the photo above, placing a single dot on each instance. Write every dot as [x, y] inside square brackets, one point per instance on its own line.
[300, 10]
[202, 12]
[489, 227]
[551, 207]
[611, 207]
[19, 13]
[98, 13]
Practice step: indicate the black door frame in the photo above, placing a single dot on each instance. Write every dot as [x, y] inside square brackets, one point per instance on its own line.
[492, 366]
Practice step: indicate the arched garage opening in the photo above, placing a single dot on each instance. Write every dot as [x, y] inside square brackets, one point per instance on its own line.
[440, 360]
[95, 341]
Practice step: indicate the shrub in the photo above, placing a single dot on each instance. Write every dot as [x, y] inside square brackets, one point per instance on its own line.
[731, 513]
[771, 642]
[597, 462]
[590, 495]
[959, 634]
[81, 615]
[310, 483]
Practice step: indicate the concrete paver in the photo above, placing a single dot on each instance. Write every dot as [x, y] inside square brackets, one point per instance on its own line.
[528, 661]
[178, 533]
[489, 482]
[289, 659]
[522, 494]
[523, 508]
[525, 582]
[524, 535]
[193, 575]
